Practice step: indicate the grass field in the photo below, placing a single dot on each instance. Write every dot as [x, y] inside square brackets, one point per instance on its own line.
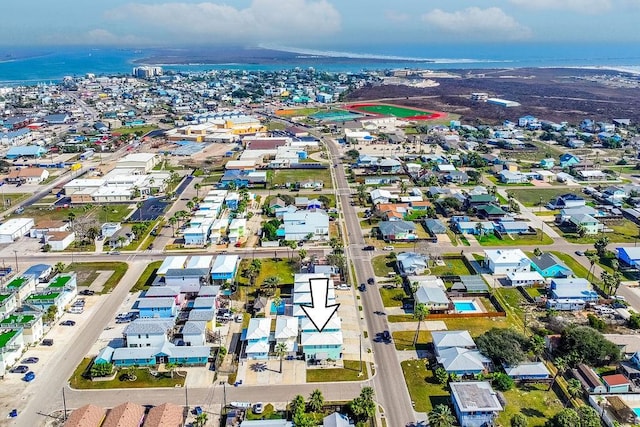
[623, 232]
[479, 325]
[139, 130]
[394, 110]
[515, 240]
[424, 389]
[291, 176]
[534, 401]
[144, 380]
[578, 269]
[283, 270]
[86, 272]
[455, 266]
[147, 277]
[112, 213]
[531, 197]
[382, 265]
[348, 373]
[392, 297]
[403, 340]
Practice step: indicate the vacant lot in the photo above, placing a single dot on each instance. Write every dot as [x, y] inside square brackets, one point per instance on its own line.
[453, 266]
[539, 238]
[86, 273]
[291, 176]
[424, 390]
[106, 213]
[531, 197]
[533, 401]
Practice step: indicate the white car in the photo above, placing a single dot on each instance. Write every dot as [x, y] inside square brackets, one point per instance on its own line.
[388, 248]
[343, 287]
[258, 408]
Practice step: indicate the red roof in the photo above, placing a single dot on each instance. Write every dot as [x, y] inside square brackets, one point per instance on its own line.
[614, 380]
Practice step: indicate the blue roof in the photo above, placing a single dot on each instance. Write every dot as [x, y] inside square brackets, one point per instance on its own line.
[26, 150]
[37, 270]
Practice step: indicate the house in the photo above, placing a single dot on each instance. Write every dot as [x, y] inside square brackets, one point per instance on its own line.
[508, 177]
[548, 265]
[470, 284]
[616, 383]
[121, 238]
[147, 332]
[257, 337]
[11, 347]
[224, 267]
[29, 322]
[8, 302]
[528, 371]
[60, 240]
[108, 229]
[566, 304]
[547, 163]
[503, 261]
[236, 229]
[302, 290]
[14, 228]
[389, 165]
[301, 225]
[435, 226]
[589, 379]
[166, 353]
[476, 404]
[479, 199]
[411, 263]
[321, 346]
[524, 278]
[475, 227]
[44, 227]
[22, 286]
[462, 361]
[573, 289]
[165, 415]
[397, 230]
[490, 212]
[336, 420]
[443, 340]
[568, 160]
[126, 414]
[287, 332]
[433, 297]
[27, 176]
[163, 308]
[40, 272]
[86, 416]
[30, 151]
[194, 333]
[629, 256]
[512, 227]
[104, 356]
[381, 196]
[566, 201]
[589, 224]
[171, 262]
[276, 203]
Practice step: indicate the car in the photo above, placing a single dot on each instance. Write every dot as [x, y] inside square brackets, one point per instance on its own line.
[388, 248]
[29, 376]
[114, 253]
[47, 342]
[20, 369]
[386, 335]
[343, 287]
[362, 287]
[371, 281]
[369, 248]
[30, 360]
[87, 292]
[579, 253]
[258, 408]
[68, 323]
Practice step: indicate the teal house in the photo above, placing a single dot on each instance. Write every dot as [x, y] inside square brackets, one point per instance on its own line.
[548, 265]
[568, 160]
[321, 346]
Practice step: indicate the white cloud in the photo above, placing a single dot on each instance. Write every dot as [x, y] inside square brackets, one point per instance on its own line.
[395, 16]
[98, 36]
[483, 24]
[263, 20]
[588, 7]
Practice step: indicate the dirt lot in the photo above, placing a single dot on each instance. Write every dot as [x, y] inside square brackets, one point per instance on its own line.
[553, 94]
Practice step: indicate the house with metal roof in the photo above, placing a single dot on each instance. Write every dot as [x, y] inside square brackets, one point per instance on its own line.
[166, 353]
[573, 289]
[336, 420]
[528, 371]
[187, 279]
[41, 272]
[433, 297]
[161, 307]
[323, 345]
[257, 336]
[411, 263]
[629, 256]
[224, 267]
[476, 404]
[171, 262]
[443, 340]
[503, 261]
[392, 231]
[549, 265]
[147, 332]
[470, 284]
[287, 332]
[194, 333]
[435, 226]
[524, 278]
[31, 151]
[462, 361]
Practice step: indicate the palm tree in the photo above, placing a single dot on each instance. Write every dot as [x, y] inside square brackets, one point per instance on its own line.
[561, 366]
[171, 367]
[303, 254]
[105, 209]
[281, 351]
[581, 230]
[316, 400]
[593, 258]
[59, 268]
[574, 388]
[71, 216]
[537, 252]
[420, 312]
[173, 221]
[441, 416]
[298, 405]
[197, 186]
[270, 284]
[190, 205]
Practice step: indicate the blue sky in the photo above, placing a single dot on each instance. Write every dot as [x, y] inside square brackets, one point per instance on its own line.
[320, 24]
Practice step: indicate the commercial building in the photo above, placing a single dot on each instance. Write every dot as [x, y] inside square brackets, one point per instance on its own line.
[15, 228]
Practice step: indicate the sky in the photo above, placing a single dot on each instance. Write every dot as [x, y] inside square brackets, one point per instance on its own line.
[315, 24]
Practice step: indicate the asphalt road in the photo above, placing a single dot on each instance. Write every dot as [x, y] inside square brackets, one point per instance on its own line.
[389, 384]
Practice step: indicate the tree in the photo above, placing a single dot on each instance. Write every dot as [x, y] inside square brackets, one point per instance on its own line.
[589, 344]
[281, 351]
[201, 419]
[420, 312]
[519, 420]
[302, 253]
[593, 258]
[298, 405]
[574, 388]
[197, 187]
[503, 346]
[173, 221]
[190, 205]
[59, 268]
[441, 375]
[537, 252]
[101, 369]
[71, 216]
[50, 314]
[171, 367]
[601, 246]
[565, 418]
[502, 382]
[581, 230]
[316, 400]
[588, 416]
[536, 345]
[441, 416]
[270, 285]
[304, 420]
[336, 245]
[561, 366]
[363, 406]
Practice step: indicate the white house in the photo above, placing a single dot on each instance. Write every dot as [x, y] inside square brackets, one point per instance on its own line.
[257, 337]
[147, 332]
[300, 224]
[503, 261]
[108, 229]
[141, 161]
[171, 262]
[193, 333]
[524, 278]
[60, 240]
[15, 228]
[287, 332]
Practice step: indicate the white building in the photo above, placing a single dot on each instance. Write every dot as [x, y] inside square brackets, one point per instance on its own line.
[147, 332]
[143, 162]
[171, 262]
[287, 332]
[60, 240]
[15, 228]
[504, 261]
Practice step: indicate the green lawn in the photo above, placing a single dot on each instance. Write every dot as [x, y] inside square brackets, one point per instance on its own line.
[382, 265]
[513, 300]
[534, 401]
[424, 390]
[348, 373]
[400, 318]
[135, 129]
[479, 325]
[147, 277]
[291, 176]
[144, 380]
[623, 232]
[86, 272]
[515, 240]
[282, 269]
[403, 340]
[11, 199]
[578, 269]
[454, 266]
[392, 297]
[112, 213]
[531, 197]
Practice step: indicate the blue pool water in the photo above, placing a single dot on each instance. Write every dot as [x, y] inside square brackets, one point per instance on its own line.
[464, 306]
[277, 309]
[636, 411]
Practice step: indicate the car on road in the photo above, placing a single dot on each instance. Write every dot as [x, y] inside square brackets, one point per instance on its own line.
[68, 323]
[371, 281]
[579, 253]
[20, 369]
[29, 376]
[258, 408]
[386, 335]
[388, 248]
[362, 287]
[114, 253]
[47, 342]
[30, 360]
[87, 292]
[369, 248]
[343, 287]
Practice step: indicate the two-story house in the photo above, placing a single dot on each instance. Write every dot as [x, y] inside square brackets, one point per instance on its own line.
[287, 333]
[321, 346]
[301, 225]
[503, 261]
[476, 404]
[163, 308]
[257, 337]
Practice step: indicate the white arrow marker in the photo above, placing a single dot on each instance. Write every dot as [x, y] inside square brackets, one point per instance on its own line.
[319, 312]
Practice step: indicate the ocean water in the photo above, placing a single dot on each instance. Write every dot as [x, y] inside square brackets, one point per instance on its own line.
[33, 65]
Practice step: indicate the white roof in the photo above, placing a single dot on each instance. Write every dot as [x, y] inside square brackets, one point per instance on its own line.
[444, 339]
[307, 325]
[137, 157]
[200, 261]
[505, 256]
[525, 275]
[224, 263]
[321, 338]
[258, 328]
[172, 262]
[286, 327]
[474, 396]
[15, 224]
[531, 368]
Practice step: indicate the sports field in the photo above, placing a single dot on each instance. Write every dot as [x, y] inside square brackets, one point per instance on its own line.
[396, 111]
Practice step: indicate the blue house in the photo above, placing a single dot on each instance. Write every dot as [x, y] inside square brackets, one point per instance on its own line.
[528, 371]
[573, 289]
[321, 345]
[167, 353]
[547, 163]
[257, 337]
[548, 265]
[224, 267]
[629, 256]
[476, 404]
[512, 227]
[163, 308]
[34, 151]
[471, 227]
[567, 160]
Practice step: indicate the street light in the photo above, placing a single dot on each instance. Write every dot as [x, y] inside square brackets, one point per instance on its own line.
[15, 252]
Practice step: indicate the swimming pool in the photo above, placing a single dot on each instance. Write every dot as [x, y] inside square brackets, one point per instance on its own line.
[464, 306]
[636, 411]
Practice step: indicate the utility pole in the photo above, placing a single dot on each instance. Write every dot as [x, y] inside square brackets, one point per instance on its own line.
[64, 406]
[360, 374]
